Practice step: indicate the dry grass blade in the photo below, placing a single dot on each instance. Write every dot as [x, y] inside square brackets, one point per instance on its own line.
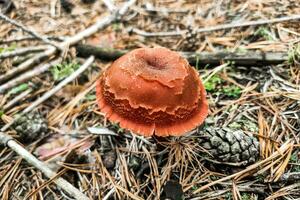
[59, 116]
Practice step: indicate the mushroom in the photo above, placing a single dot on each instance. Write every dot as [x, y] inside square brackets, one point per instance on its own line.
[152, 91]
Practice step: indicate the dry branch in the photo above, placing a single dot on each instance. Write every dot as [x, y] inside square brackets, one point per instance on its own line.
[103, 23]
[28, 63]
[24, 38]
[247, 58]
[16, 99]
[111, 7]
[62, 183]
[22, 51]
[10, 142]
[31, 32]
[52, 91]
[213, 58]
[28, 75]
[216, 28]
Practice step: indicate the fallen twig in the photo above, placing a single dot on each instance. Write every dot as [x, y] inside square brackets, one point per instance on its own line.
[68, 42]
[16, 99]
[84, 51]
[111, 7]
[60, 85]
[52, 91]
[22, 51]
[215, 28]
[28, 75]
[213, 58]
[28, 63]
[62, 183]
[24, 38]
[10, 142]
[291, 176]
[31, 32]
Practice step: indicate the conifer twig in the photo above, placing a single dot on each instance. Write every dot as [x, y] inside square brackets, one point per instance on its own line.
[31, 32]
[15, 146]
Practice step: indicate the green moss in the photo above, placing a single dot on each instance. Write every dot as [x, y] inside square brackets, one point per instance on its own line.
[232, 91]
[211, 84]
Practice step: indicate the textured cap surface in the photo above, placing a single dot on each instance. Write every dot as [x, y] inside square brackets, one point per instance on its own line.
[152, 91]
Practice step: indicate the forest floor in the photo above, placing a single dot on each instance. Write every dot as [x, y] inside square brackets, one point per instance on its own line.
[67, 131]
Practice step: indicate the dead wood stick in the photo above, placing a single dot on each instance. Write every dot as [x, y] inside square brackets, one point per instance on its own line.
[31, 32]
[15, 146]
[111, 7]
[16, 99]
[291, 177]
[216, 28]
[52, 91]
[103, 23]
[202, 58]
[62, 183]
[24, 38]
[22, 51]
[84, 51]
[28, 63]
[28, 75]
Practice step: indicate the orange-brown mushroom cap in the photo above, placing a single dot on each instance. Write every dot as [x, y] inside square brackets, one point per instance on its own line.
[152, 91]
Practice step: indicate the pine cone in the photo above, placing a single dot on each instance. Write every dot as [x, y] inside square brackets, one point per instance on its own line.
[227, 145]
[191, 42]
[30, 126]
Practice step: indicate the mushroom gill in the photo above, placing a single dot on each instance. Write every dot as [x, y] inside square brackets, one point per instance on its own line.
[152, 91]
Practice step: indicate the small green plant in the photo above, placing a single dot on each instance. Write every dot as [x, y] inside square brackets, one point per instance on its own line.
[260, 178]
[18, 89]
[1, 113]
[294, 54]
[90, 97]
[194, 187]
[61, 71]
[295, 159]
[228, 196]
[265, 33]
[241, 49]
[232, 91]
[211, 84]
[6, 49]
[116, 126]
[197, 63]
[214, 86]
[116, 26]
[245, 124]
[246, 196]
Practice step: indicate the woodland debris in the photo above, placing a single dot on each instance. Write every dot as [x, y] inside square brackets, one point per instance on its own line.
[248, 58]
